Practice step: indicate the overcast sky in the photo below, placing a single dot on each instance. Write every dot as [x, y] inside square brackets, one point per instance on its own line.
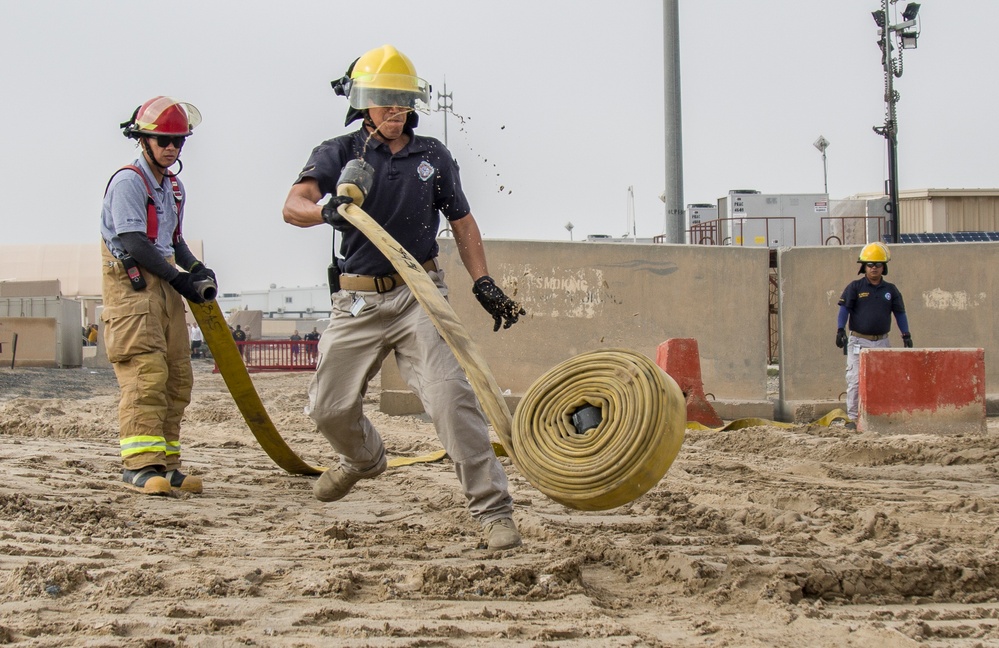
[562, 103]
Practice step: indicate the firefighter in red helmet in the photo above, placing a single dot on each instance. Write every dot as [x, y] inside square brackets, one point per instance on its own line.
[145, 330]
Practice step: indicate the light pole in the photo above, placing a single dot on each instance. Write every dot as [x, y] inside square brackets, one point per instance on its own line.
[907, 33]
[445, 104]
[822, 144]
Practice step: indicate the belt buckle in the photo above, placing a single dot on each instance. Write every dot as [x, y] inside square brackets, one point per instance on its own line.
[381, 286]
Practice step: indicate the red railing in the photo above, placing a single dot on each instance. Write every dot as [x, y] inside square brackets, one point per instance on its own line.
[833, 229]
[278, 355]
[712, 232]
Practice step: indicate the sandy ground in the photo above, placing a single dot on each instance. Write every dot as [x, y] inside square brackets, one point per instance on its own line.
[764, 536]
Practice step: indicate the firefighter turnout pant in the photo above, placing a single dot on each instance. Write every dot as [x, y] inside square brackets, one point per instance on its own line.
[145, 333]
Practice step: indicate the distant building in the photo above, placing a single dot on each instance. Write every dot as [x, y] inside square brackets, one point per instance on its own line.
[946, 210]
[280, 303]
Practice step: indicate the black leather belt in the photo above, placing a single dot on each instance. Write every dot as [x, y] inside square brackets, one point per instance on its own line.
[382, 284]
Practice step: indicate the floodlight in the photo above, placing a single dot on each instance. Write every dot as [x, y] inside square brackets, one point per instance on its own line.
[879, 17]
[908, 39]
[911, 10]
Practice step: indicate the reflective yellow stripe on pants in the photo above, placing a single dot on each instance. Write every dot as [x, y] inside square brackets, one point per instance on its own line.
[138, 444]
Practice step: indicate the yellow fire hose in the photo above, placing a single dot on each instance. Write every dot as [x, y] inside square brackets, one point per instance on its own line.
[642, 410]
[237, 379]
[643, 416]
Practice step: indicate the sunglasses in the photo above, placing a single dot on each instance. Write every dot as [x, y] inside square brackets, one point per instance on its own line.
[875, 265]
[164, 141]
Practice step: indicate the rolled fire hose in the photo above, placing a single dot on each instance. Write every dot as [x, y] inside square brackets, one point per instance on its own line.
[237, 379]
[636, 413]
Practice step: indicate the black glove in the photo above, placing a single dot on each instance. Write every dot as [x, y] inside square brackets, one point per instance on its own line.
[907, 340]
[184, 284]
[841, 338]
[333, 217]
[200, 268]
[496, 303]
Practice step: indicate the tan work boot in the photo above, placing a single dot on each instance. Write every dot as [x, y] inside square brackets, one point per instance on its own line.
[186, 483]
[502, 534]
[148, 481]
[335, 483]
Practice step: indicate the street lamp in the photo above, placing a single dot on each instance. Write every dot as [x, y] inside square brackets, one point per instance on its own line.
[907, 33]
[822, 144]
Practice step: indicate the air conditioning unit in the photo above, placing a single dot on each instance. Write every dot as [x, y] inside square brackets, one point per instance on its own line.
[309, 310]
[280, 310]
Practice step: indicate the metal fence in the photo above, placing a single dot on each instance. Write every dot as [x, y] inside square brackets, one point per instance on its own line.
[278, 355]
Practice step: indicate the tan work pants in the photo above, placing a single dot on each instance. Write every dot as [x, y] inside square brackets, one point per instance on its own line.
[854, 346]
[145, 333]
[351, 352]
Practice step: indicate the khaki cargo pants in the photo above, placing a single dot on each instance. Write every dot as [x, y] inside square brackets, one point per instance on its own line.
[351, 352]
[145, 333]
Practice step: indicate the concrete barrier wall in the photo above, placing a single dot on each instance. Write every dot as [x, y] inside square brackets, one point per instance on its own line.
[37, 339]
[587, 296]
[932, 391]
[951, 294]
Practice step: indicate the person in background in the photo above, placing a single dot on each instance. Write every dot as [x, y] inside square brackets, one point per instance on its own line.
[197, 339]
[866, 306]
[313, 338]
[374, 312]
[145, 329]
[239, 335]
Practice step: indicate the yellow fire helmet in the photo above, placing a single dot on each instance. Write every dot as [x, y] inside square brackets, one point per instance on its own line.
[873, 253]
[386, 77]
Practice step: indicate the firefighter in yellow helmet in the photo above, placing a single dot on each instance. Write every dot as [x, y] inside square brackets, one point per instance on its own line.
[413, 182]
[866, 306]
[145, 330]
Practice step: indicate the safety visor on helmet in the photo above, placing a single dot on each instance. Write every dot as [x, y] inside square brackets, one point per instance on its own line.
[389, 90]
[167, 116]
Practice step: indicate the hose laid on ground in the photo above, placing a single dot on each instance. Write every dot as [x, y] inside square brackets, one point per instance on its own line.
[642, 412]
[237, 379]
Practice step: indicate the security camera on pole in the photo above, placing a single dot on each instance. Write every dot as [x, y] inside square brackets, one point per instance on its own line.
[907, 33]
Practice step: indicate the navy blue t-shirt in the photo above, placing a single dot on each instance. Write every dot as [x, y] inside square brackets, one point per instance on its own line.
[411, 190]
[871, 306]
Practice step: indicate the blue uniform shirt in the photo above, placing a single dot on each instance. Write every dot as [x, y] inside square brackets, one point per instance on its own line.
[871, 306]
[124, 209]
[411, 190]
